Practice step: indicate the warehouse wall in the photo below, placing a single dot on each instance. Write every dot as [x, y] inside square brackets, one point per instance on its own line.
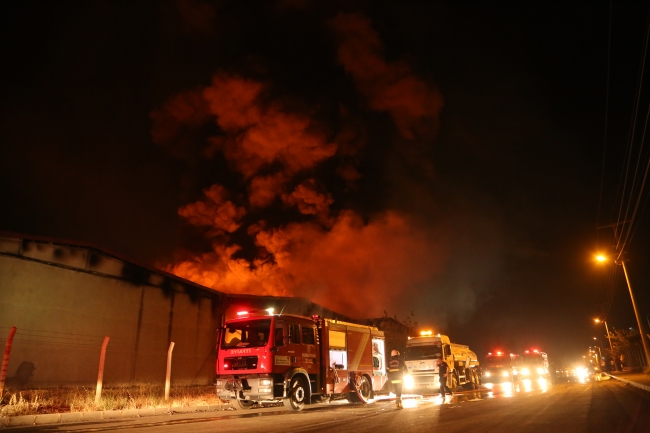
[64, 300]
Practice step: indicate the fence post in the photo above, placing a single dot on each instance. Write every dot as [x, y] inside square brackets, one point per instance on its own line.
[100, 373]
[169, 370]
[5, 359]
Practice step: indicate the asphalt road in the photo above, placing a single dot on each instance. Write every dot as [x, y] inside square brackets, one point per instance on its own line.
[527, 406]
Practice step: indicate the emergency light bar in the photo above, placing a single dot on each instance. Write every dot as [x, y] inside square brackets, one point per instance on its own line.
[267, 312]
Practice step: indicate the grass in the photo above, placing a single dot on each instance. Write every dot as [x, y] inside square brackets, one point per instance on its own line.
[82, 399]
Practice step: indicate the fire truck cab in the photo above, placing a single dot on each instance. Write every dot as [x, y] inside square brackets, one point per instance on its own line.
[534, 364]
[267, 358]
[502, 366]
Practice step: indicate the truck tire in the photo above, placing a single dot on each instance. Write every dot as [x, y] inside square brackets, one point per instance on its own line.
[476, 378]
[471, 380]
[296, 395]
[362, 390]
[454, 382]
[241, 404]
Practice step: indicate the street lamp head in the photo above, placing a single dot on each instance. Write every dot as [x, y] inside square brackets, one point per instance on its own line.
[601, 258]
[597, 320]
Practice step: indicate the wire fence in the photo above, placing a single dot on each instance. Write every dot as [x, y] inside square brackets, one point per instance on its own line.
[633, 356]
[41, 358]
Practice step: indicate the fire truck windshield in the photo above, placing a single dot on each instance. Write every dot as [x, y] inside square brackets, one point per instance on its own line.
[498, 361]
[422, 352]
[533, 360]
[251, 333]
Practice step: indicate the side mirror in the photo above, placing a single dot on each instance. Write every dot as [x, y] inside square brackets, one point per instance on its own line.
[218, 339]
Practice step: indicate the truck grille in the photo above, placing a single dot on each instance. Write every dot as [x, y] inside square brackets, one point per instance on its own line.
[241, 363]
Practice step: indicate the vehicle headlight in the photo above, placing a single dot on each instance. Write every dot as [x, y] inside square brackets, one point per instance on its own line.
[488, 374]
[409, 383]
[540, 370]
[265, 382]
[505, 374]
[525, 371]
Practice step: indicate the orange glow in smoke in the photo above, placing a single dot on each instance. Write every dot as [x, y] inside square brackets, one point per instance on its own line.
[357, 265]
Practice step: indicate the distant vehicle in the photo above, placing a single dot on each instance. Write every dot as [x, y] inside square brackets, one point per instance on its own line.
[502, 366]
[534, 365]
[578, 373]
[268, 358]
[422, 353]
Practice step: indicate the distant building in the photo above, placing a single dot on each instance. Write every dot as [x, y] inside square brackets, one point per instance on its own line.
[396, 332]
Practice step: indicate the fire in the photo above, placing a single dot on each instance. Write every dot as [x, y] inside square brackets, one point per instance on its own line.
[299, 240]
[353, 267]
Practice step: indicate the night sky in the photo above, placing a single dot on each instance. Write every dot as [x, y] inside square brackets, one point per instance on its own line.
[439, 161]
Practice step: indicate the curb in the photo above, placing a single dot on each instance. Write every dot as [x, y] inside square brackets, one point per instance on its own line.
[68, 417]
[629, 382]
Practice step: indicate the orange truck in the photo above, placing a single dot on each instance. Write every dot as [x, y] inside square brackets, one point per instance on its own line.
[266, 358]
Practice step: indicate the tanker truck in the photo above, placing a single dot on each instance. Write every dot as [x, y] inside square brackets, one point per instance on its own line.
[422, 353]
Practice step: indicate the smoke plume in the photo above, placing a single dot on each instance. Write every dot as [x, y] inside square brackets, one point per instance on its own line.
[392, 87]
[304, 235]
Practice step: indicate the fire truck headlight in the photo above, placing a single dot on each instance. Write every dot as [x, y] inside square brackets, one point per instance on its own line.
[540, 370]
[409, 383]
[505, 374]
[265, 382]
[488, 374]
[525, 371]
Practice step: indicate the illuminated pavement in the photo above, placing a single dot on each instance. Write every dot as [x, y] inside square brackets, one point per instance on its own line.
[525, 406]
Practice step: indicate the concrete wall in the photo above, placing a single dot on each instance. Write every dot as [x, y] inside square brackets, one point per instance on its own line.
[63, 300]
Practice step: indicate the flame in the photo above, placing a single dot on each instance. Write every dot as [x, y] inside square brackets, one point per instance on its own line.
[354, 267]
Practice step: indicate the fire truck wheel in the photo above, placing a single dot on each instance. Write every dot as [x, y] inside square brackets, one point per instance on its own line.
[241, 404]
[362, 390]
[297, 395]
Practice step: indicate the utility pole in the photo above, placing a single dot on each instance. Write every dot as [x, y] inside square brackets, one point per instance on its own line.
[644, 338]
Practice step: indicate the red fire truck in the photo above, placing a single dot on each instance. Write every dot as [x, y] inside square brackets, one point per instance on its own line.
[268, 358]
[534, 364]
[501, 366]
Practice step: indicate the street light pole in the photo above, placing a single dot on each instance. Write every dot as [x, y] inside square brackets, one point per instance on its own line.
[636, 313]
[601, 353]
[611, 348]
